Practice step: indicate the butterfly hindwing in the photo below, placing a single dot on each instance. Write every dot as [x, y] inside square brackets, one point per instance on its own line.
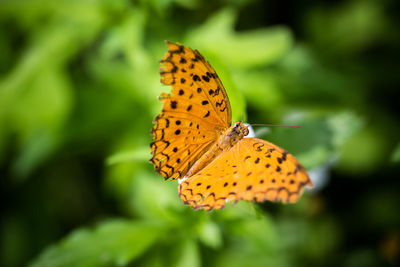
[253, 169]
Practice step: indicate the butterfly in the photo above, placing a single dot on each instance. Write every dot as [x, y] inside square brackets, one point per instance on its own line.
[195, 142]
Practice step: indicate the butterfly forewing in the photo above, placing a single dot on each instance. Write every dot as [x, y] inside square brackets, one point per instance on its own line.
[193, 115]
[195, 81]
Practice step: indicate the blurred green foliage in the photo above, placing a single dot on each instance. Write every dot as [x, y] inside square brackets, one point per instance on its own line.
[78, 91]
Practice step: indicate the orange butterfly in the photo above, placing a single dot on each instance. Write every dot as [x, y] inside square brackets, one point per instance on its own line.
[193, 141]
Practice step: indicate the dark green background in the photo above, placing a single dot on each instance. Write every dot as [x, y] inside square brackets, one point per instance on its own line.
[79, 84]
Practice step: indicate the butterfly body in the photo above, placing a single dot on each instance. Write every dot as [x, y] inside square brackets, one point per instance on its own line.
[193, 141]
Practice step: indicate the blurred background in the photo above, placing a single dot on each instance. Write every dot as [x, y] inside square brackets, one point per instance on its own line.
[79, 84]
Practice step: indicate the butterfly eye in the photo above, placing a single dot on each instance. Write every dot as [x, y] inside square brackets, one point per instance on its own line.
[246, 131]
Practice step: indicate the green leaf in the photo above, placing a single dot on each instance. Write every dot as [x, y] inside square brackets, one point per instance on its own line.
[364, 21]
[189, 254]
[315, 148]
[396, 154]
[39, 131]
[153, 198]
[247, 49]
[260, 89]
[365, 152]
[344, 125]
[210, 234]
[141, 154]
[255, 240]
[115, 242]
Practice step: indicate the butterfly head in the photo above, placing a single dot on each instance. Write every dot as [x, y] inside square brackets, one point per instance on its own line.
[232, 135]
[240, 129]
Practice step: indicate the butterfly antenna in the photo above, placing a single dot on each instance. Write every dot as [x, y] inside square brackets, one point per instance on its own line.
[273, 125]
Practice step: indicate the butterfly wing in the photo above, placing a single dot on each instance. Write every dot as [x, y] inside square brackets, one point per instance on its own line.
[193, 115]
[251, 169]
